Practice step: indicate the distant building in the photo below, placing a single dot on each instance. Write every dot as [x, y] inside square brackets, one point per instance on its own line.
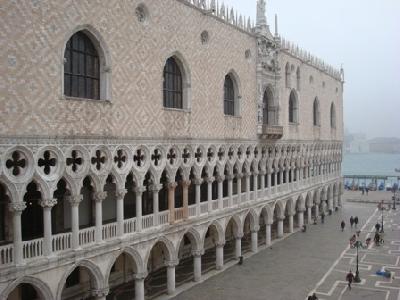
[356, 143]
[384, 145]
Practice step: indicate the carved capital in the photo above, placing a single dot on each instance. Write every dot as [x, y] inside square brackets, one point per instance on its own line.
[99, 196]
[17, 207]
[209, 179]
[172, 185]
[120, 194]
[100, 292]
[239, 176]
[197, 253]
[255, 229]
[186, 183]
[139, 189]
[220, 244]
[220, 178]
[281, 218]
[48, 203]
[74, 200]
[171, 263]
[140, 276]
[230, 177]
[197, 181]
[156, 187]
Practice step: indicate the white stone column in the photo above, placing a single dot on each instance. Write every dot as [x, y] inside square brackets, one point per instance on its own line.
[155, 188]
[287, 178]
[47, 205]
[238, 245]
[280, 175]
[330, 203]
[171, 276]
[210, 180]
[239, 187]
[197, 183]
[269, 184]
[120, 194]
[171, 201]
[255, 185]
[138, 195]
[197, 264]
[16, 208]
[280, 227]
[230, 189]
[185, 196]
[74, 201]
[99, 197]
[247, 178]
[262, 174]
[220, 180]
[309, 216]
[290, 223]
[254, 239]
[300, 217]
[316, 211]
[139, 286]
[220, 255]
[268, 234]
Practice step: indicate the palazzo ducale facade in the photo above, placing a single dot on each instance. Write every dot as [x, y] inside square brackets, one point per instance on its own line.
[146, 143]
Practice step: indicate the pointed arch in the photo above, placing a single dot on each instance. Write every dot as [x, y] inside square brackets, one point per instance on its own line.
[333, 116]
[293, 107]
[316, 112]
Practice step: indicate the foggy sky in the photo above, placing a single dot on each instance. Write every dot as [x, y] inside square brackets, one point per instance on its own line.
[364, 36]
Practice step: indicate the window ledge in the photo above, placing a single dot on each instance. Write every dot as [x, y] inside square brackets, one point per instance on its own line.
[86, 100]
[293, 124]
[234, 117]
[317, 126]
[182, 110]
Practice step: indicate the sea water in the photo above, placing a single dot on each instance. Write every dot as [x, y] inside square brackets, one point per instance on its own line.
[371, 164]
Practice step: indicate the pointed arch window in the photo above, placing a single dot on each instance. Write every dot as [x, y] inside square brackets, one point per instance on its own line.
[298, 77]
[293, 108]
[333, 116]
[268, 108]
[229, 96]
[172, 89]
[316, 113]
[287, 75]
[81, 68]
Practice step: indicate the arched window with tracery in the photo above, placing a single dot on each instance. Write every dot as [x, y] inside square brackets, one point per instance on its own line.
[229, 96]
[293, 108]
[173, 87]
[298, 77]
[333, 116]
[81, 68]
[268, 108]
[287, 75]
[316, 113]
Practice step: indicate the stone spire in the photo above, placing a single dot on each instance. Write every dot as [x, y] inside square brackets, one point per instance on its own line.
[261, 14]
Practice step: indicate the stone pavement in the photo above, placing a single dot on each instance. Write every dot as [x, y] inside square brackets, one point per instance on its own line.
[292, 267]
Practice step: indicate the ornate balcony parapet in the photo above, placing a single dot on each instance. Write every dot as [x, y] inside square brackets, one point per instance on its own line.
[270, 132]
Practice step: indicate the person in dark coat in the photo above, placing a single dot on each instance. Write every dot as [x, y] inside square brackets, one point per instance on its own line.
[377, 226]
[342, 225]
[351, 221]
[350, 278]
[356, 221]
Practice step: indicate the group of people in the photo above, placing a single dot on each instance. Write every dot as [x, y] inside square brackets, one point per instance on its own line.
[353, 222]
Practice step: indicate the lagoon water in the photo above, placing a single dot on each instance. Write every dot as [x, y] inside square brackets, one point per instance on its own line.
[371, 164]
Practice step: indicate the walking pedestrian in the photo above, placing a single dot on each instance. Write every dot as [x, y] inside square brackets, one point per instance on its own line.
[322, 217]
[351, 221]
[367, 189]
[350, 278]
[342, 225]
[356, 221]
[313, 297]
[377, 227]
[353, 240]
[362, 191]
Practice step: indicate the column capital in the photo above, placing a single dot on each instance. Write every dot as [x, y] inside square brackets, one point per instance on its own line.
[197, 181]
[197, 253]
[172, 185]
[171, 263]
[140, 276]
[156, 187]
[48, 203]
[255, 173]
[239, 175]
[100, 292]
[210, 179]
[17, 207]
[230, 177]
[239, 236]
[100, 196]
[139, 189]
[186, 183]
[255, 229]
[220, 178]
[301, 210]
[263, 173]
[220, 244]
[281, 218]
[74, 200]
[120, 193]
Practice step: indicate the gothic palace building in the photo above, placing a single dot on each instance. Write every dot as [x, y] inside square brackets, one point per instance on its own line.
[145, 143]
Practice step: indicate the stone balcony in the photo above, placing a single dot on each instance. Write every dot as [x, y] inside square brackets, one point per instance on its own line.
[270, 132]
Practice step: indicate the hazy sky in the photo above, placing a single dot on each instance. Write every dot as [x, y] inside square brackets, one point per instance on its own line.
[364, 36]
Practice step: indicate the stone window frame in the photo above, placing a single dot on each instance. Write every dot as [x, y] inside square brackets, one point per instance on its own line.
[294, 108]
[186, 82]
[104, 61]
[237, 94]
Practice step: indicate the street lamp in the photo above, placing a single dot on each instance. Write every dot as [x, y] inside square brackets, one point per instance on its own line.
[382, 208]
[394, 198]
[358, 244]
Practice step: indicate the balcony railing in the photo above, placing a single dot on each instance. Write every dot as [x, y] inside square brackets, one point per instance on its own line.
[270, 132]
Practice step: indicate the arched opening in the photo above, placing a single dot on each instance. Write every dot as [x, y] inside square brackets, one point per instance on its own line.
[287, 75]
[269, 117]
[109, 204]
[298, 77]
[274, 226]
[129, 198]
[225, 182]
[262, 224]
[25, 291]
[214, 187]
[316, 113]
[192, 188]
[79, 284]
[179, 189]
[155, 283]
[204, 186]
[229, 96]
[208, 260]
[231, 233]
[173, 84]
[163, 193]
[5, 220]
[293, 108]
[235, 180]
[246, 240]
[251, 178]
[32, 216]
[288, 212]
[243, 181]
[121, 279]
[260, 177]
[87, 213]
[185, 269]
[333, 116]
